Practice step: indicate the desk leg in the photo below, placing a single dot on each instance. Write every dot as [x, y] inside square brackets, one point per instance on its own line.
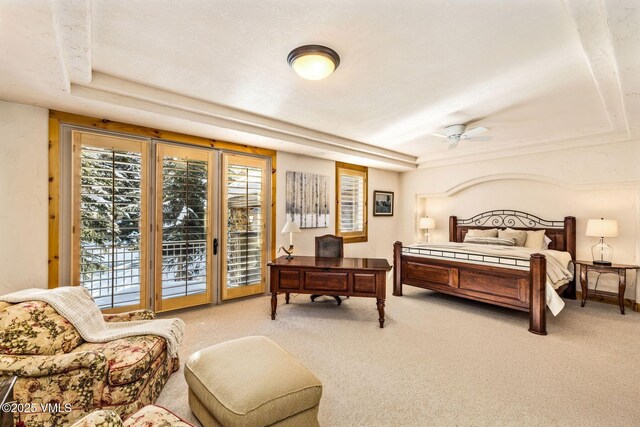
[286, 297]
[622, 285]
[274, 305]
[584, 283]
[380, 304]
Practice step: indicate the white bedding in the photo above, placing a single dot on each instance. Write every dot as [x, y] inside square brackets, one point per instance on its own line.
[558, 263]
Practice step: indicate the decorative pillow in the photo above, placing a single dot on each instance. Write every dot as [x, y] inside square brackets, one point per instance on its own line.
[535, 239]
[476, 232]
[34, 327]
[500, 241]
[547, 241]
[520, 236]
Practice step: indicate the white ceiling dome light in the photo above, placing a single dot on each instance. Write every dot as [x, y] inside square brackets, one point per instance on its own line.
[313, 62]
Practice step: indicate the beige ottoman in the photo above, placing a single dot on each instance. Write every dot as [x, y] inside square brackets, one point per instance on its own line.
[251, 381]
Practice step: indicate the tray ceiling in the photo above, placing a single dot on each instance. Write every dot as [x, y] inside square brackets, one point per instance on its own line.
[540, 75]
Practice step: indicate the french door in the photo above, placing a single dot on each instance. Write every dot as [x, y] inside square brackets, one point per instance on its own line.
[244, 229]
[184, 267]
[147, 216]
[109, 219]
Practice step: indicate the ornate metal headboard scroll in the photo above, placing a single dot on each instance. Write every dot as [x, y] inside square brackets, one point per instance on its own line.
[562, 233]
[508, 218]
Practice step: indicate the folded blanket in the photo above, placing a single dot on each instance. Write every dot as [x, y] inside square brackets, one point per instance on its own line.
[74, 304]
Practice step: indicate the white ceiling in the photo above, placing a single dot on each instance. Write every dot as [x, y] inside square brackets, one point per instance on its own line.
[540, 74]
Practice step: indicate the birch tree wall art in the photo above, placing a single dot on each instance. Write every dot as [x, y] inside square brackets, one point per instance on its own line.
[307, 199]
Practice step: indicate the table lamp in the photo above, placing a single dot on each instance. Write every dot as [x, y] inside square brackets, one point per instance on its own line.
[426, 223]
[601, 252]
[290, 227]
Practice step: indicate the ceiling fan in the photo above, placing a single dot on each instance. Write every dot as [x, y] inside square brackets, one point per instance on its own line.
[456, 133]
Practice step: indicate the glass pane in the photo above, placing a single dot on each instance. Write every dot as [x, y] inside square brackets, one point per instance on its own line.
[244, 225]
[184, 226]
[351, 203]
[110, 225]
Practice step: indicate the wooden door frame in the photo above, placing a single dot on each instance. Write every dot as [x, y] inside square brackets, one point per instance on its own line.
[161, 304]
[119, 143]
[228, 294]
[59, 118]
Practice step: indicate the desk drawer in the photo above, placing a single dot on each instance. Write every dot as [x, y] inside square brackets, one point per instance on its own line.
[290, 279]
[364, 283]
[326, 281]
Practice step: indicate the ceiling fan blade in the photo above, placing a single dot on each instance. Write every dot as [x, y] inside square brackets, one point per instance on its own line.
[439, 135]
[474, 132]
[479, 138]
[453, 145]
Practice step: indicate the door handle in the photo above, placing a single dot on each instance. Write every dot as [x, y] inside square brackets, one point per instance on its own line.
[215, 246]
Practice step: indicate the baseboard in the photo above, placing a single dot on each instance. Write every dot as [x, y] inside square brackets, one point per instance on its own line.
[608, 298]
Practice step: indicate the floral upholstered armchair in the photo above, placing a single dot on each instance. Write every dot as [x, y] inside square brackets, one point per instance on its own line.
[55, 366]
[148, 416]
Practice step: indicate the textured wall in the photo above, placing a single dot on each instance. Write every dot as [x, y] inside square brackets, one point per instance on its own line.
[598, 182]
[23, 197]
[382, 230]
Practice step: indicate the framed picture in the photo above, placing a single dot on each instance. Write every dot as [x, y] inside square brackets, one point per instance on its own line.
[382, 203]
[308, 199]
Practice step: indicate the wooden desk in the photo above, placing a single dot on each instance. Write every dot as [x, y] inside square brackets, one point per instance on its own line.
[353, 277]
[619, 269]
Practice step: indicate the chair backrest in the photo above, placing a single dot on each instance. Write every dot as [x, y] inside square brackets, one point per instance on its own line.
[329, 246]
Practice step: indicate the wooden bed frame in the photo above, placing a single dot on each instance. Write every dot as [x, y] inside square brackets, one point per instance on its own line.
[519, 289]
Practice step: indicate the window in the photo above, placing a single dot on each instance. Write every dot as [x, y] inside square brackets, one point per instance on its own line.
[109, 219]
[351, 201]
[156, 222]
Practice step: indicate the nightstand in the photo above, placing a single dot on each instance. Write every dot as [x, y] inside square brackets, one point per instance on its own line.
[619, 269]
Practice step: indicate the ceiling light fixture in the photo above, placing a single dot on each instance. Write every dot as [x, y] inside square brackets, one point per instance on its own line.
[313, 62]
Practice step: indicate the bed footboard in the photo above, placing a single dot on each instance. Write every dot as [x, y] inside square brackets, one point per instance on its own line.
[519, 289]
[538, 295]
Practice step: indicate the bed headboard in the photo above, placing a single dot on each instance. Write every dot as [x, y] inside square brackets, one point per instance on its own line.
[562, 233]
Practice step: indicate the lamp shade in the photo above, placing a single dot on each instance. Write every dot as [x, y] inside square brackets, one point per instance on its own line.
[427, 222]
[290, 227]
[602, 228]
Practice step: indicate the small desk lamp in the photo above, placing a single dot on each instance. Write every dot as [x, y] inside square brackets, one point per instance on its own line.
[426, 223]
[290, 227]
[601, 252]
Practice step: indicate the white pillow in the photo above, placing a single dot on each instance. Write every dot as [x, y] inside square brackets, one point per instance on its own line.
[499, 241]
[547, 240]
[476, 232]
[520, 236]
[535, 239]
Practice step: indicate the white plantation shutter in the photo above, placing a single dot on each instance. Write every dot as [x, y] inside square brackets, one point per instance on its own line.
[351, 203]
[244, 227]
[351, 220]
[109, 231]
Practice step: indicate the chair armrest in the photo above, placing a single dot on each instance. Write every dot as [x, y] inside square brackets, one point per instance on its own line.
[40, 366]
[101, 418]
[130, 315]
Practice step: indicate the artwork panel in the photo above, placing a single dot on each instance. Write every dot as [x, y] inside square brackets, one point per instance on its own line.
[307, 201]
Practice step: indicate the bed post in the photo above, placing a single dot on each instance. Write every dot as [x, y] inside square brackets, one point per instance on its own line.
[397, 274]
[537, 295]
[570, 242]
[453, 228]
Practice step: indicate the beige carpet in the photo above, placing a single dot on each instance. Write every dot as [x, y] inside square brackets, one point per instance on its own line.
[441, 360]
